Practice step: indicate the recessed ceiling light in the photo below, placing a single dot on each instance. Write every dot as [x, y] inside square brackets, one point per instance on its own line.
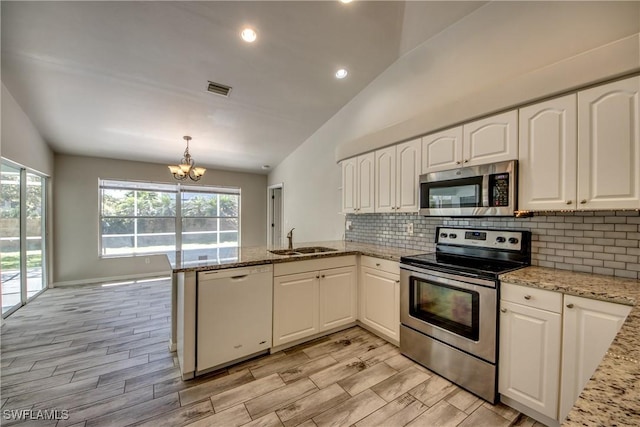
[249, 35]
[346, 1]
[265, 167]
[341, 73]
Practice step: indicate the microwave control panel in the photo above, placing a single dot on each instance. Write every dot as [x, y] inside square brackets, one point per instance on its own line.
[499, 189]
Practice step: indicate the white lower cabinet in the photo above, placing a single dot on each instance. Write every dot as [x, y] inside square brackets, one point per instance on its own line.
[588, 326]
[295, 307]
[338, 297]
[550, 345]
[310, 297]
[380, 297]
[530, 355]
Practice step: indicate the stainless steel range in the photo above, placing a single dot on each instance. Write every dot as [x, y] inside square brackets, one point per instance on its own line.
[449, 303]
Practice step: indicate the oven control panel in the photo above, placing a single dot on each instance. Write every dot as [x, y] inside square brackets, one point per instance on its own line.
[496, 239]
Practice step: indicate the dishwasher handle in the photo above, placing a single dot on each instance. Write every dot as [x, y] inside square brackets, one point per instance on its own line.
[239, 278]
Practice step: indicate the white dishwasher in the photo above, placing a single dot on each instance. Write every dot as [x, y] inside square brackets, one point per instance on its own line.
[233, 315]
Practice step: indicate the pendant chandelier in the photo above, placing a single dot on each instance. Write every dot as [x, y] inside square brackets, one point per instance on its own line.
[187, 168]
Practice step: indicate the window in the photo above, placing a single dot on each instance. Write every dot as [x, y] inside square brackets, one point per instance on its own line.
[141, 217]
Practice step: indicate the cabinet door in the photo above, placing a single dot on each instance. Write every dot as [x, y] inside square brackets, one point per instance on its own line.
[385, 173]
[338, 295]
[408, 176]
[366, 180]
[548, 155]
[380, 301]
[489, 140]
[609, 146]
[529, 367]
[442, 150]
[295, 307]
[589, 326]
[349, 185]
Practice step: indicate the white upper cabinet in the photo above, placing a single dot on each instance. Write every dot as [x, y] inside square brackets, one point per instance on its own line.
[407, 175]
[582, 151]
[365, 182]
[397, 172]
[442, 150]
[547, 148]
[609, 146]
[358, 184]
[349, 185]
[385, 173]
[489, 140]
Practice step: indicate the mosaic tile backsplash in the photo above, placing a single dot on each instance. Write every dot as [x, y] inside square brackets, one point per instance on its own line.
[593, 242]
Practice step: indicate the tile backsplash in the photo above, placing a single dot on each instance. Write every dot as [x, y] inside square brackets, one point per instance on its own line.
[593, 242]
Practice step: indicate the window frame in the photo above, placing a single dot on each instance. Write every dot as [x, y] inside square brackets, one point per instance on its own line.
[177, 191]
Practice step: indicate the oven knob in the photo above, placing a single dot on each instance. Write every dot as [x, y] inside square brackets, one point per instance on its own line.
[444, 235]
[453, 235]
[500, 239]
[513, 240]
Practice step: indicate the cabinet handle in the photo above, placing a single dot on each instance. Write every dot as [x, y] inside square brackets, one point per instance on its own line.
[466, 160]
[377, 264]
[322, 276]
[569, 202]
[317, 277]
[569, 305]
[458, 162]
[504, 310]
[527, 297]
[583, 201]
[397, 281]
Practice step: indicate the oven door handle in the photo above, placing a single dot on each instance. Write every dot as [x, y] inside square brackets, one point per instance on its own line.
[447, 278]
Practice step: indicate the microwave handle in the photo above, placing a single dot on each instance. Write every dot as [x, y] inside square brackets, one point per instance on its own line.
[485, 191]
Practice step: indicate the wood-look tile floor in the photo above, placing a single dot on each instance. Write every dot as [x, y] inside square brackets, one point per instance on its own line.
[101, 353]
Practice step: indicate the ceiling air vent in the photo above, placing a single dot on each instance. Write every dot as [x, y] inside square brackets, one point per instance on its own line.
[219, 89]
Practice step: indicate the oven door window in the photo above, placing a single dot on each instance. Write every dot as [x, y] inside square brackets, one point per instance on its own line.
[454, 309]
[456, 193]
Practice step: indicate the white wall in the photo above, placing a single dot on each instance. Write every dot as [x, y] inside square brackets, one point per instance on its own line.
[501, 55]
[76, 223]
[21, 142]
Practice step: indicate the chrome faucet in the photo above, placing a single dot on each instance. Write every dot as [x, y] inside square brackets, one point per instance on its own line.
[290, 237]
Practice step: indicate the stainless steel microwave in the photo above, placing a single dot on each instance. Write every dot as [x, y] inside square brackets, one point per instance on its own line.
[484, 190]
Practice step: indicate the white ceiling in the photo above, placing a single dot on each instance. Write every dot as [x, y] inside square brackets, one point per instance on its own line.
[127, 80]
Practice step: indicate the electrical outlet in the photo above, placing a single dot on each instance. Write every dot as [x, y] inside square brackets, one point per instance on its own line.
[348, 226]
[147, 260]
[410, 229]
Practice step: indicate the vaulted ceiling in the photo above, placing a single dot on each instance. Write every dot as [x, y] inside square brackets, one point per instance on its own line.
[127, 80]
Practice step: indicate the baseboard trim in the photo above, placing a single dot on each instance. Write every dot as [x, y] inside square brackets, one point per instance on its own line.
[95, 280]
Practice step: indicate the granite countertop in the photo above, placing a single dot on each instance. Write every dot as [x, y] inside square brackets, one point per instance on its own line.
[612, 395]
[197, 260]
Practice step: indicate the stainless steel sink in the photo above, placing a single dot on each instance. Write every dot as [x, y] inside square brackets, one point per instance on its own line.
[302, 251]
[283, 252]
[314, 250]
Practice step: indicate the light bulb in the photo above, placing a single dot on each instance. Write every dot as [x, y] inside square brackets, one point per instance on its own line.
[249, 35]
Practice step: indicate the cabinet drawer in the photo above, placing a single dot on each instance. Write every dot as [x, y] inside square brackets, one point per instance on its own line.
[532, 297]
[389, 266]
[303, 266]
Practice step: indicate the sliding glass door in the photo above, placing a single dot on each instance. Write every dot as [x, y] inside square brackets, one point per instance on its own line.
[22, 235]
[10, 250]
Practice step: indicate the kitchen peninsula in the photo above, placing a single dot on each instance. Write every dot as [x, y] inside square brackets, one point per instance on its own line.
[610, 397]
[186, 265]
